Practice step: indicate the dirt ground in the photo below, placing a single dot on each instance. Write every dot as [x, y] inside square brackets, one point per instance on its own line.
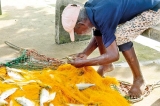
[30, 24]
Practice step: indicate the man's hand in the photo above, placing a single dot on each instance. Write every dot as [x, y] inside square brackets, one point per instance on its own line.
[81, 56]
[77, 60]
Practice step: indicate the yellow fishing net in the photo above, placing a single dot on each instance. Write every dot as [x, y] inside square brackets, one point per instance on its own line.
[63, 81]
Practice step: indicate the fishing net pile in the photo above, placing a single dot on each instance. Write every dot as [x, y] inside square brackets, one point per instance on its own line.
[64, 86]
[33, 79]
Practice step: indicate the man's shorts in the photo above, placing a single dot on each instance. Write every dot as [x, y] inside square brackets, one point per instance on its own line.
[127, 32]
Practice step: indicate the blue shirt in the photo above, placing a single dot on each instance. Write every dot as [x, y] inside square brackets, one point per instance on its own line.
[105, 15]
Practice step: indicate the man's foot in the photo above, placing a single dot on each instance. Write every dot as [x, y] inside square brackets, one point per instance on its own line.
[104, 69]
[137, 89]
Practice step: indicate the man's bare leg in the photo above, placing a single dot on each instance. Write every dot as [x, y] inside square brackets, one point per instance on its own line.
[102, 49]
[138, 86]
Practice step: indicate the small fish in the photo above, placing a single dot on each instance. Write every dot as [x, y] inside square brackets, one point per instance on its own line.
[3, 102]
[25, 82]
[8, 81]
[52, 96]
[45, 96]
[6, 94]
[24, 101]
[14, 73]
[82, 86]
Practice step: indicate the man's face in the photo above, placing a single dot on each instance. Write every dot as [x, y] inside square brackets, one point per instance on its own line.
[81, 29]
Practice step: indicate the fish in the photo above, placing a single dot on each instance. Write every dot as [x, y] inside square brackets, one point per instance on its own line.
[8, 81]
[20, 84]
[82, 86]
[14, 73]
[11, 81]
[3, 102]
[6, 94]
[52, 96]
[25, 82]
[45, 96]
[24, 101]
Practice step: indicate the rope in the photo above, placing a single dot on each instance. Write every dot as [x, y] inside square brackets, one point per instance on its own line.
[125, 87]
[13, 46]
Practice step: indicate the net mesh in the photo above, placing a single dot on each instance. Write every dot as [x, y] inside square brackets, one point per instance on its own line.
[32, 60]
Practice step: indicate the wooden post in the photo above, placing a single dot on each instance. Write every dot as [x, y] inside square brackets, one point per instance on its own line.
[61, 36]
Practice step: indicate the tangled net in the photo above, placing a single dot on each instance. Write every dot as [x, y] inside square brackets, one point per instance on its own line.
[62, 83]
[32, 60]
[126, 86]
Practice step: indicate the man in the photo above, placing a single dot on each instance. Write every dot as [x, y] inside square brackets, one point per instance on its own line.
[114, 23]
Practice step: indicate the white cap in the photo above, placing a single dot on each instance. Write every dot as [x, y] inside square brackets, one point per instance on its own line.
[69, 18]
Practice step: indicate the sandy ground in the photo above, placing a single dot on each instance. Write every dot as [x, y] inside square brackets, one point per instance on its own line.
[30, 24]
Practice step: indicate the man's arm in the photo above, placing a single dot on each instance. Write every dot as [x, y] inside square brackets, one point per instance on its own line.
[110, 56]
[91, 47]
